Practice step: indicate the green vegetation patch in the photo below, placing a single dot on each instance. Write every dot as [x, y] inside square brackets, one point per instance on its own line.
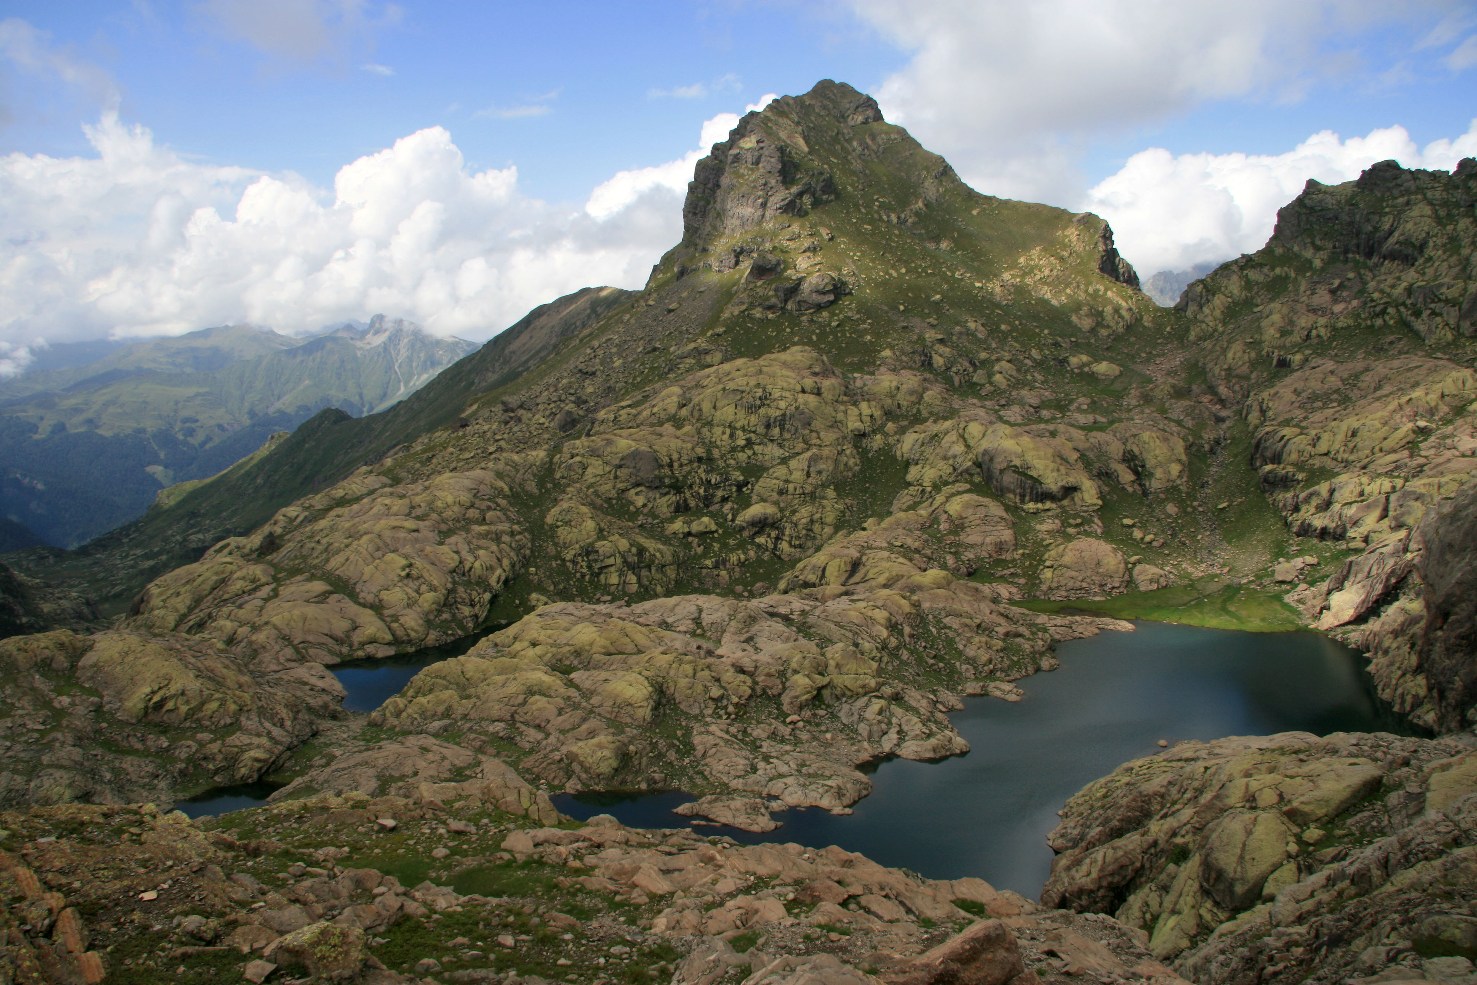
[1211, 605]
[744, 942]
[973, 907]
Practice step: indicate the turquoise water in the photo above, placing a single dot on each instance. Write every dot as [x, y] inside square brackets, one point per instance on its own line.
[987, 813]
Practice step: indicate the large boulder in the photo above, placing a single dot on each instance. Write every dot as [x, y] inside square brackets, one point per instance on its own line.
[1086, 568]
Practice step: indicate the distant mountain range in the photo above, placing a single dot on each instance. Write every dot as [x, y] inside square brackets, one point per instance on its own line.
[1166, 286]
[87, 446]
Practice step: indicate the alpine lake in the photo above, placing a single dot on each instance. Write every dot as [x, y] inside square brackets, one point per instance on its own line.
[1114, 698]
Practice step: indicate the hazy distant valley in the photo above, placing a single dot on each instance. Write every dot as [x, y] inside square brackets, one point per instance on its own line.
[87, 446]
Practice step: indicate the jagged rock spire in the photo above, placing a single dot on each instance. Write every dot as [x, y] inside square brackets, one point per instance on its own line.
[766, 167]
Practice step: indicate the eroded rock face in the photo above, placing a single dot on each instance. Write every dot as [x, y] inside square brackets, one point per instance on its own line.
[420, 768]
[1348, 339]
[1086, 568]
[367, 569]
[1448, 645]
[1285, 858]
[764, 170]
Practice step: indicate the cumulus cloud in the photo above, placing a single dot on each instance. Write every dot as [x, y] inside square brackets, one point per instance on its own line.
[137, 240]
[1169, 212]
[1011, 92]
[13, 359]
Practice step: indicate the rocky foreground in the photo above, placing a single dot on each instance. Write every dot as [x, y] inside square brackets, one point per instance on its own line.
[458, 882]
[1280, 859]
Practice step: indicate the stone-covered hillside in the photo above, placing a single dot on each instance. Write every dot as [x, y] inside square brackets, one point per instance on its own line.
[758, 524]
[1288, 858]
[868, 441]
[191, 517]
[788, 491]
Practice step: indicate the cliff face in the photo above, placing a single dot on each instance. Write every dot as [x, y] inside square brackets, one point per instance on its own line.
[1347, 346]
[1447, 571]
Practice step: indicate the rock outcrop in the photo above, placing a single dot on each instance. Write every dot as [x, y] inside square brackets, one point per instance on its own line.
[1283, 859]
[1085, 568]
[779, 699]
[120, 716]
[1449, 634]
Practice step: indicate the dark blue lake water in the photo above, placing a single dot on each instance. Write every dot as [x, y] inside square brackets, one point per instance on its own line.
[223, 800]
[370, 683]
[987, 813]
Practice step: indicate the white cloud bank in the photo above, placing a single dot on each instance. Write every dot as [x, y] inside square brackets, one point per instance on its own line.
[1170, 212]
[1013, 93]
[139, 241]
[1008, 91]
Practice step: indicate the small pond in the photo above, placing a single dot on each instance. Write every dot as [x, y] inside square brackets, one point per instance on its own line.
[370, 683]
[223, 800]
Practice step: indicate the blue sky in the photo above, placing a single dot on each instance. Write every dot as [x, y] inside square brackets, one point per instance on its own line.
[171, 165]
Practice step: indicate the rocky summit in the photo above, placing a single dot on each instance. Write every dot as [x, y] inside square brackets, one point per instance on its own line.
[867, 442]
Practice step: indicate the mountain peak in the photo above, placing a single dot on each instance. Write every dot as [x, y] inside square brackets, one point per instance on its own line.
[782, 160]
[836, 99]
